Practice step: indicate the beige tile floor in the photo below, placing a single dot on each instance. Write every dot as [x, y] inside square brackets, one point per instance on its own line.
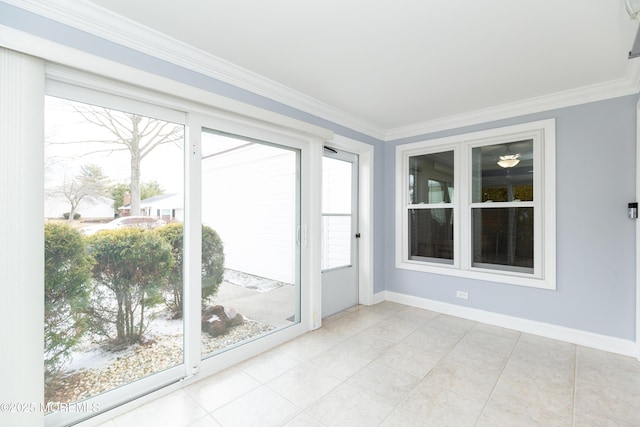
[393, 365]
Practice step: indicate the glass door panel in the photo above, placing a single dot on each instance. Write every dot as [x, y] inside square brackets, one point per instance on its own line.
[339, 256]
[336, 241]
[113, 248]
[250, 200]
[336, 213]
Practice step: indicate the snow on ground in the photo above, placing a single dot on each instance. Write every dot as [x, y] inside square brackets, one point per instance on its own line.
[249, 281]
[91, 355]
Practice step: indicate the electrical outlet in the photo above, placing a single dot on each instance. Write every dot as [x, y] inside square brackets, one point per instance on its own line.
[462, 294]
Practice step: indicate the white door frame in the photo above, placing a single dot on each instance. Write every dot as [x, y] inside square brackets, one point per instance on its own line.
[365, 213]
[637, 233]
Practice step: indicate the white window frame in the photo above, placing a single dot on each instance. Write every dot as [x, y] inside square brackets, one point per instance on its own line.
[543, 135]
[75, 85]
[417, 151]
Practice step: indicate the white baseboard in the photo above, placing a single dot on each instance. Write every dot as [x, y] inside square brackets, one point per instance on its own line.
[379, 297]
[574, 336]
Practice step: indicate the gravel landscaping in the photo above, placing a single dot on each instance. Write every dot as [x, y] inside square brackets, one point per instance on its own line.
[156, 354]
[92, 370]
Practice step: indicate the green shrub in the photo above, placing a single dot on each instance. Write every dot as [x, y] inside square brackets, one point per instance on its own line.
[75, 215]
[131, 267]
[212, 263]
[67, 276]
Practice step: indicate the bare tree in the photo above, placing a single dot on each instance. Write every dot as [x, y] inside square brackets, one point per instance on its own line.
[89, 185]
[134, 133]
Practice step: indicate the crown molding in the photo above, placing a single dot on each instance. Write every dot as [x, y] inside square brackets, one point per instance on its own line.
[90, 18]
[628, 85]
[115, 28]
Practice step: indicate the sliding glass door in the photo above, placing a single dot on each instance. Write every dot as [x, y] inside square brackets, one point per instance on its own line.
[114, 205]
[159, 261]
[251, 203]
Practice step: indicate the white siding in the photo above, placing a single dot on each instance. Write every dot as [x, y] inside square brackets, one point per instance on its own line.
[249, 199]
[173, 202]
[54, 207]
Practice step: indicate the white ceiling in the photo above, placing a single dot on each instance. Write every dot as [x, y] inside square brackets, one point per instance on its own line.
[394, 64]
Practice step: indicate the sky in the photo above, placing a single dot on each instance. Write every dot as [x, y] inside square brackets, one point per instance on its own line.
[63, 159]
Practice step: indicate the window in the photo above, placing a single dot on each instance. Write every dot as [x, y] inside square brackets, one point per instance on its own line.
[431, 211]
[480, 205]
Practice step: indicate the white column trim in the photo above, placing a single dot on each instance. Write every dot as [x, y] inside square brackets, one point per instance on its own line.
[637, 266]
[22, 236]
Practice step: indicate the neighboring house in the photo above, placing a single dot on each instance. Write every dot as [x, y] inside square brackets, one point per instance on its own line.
[169, 207]
[99, 208]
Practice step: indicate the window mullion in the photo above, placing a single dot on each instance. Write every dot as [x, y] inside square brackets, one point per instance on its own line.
[193, 243]
[463, 230]
[496, 205]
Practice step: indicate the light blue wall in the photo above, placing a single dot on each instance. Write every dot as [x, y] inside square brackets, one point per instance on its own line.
[595, 179]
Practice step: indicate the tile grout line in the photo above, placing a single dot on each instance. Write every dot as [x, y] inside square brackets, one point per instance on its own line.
[438, 361]
[424, 378]
[373, 361]
[308, 362]
[493, 389]
[344, 382]
[397, 405]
